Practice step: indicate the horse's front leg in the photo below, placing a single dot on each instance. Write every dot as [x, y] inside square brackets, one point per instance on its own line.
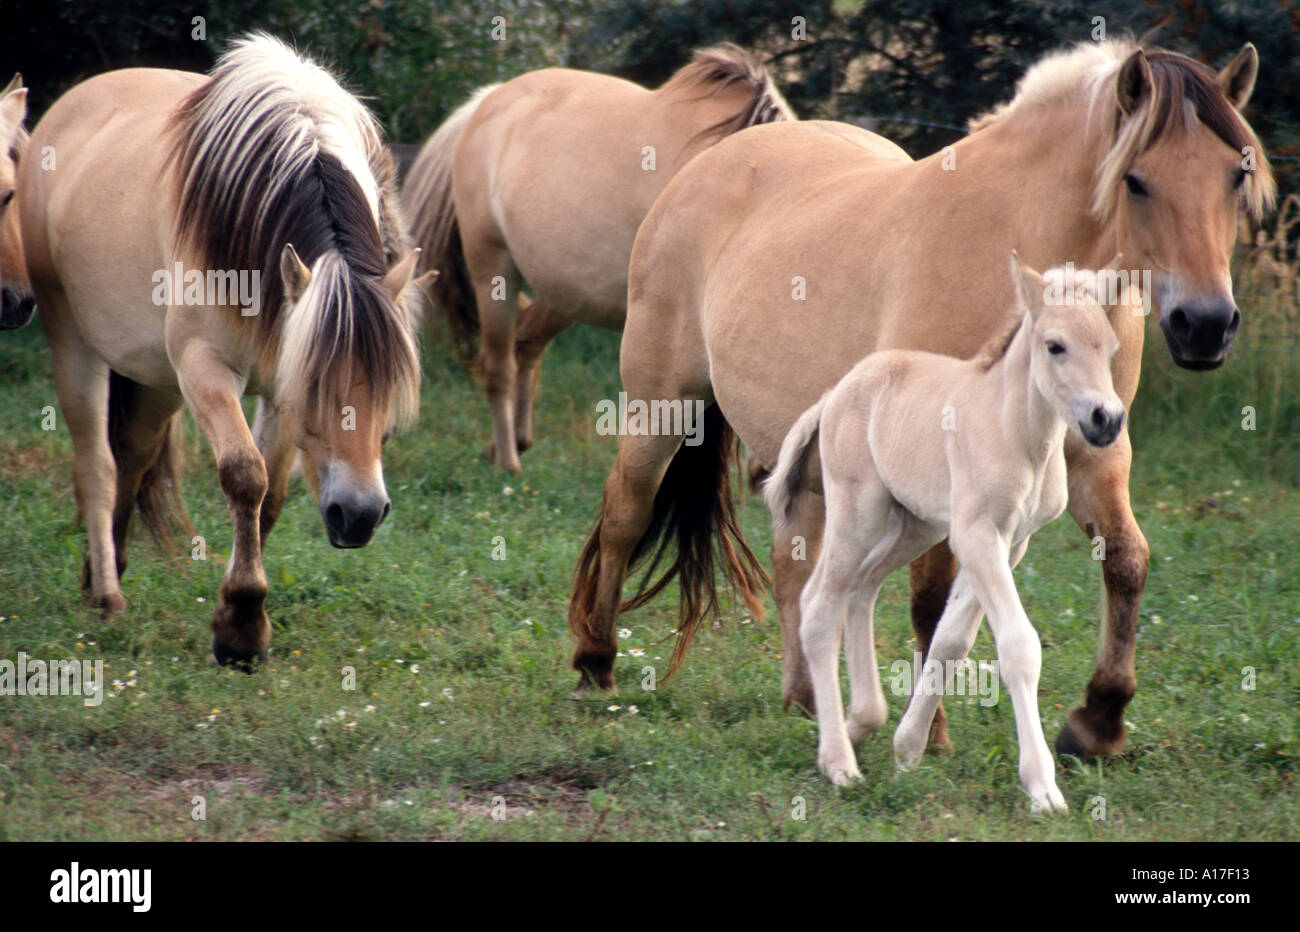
[278, 444]
[241, 631]
[1099, 502]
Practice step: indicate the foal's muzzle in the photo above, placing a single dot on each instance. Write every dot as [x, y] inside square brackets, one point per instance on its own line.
[352, 519]
[16, 308]
[1200, 332]
[1101, 427]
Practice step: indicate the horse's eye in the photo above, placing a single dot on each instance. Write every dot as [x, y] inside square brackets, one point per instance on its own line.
[1135, 186]
[4, 201]
[1056, 349]
[1241, 178]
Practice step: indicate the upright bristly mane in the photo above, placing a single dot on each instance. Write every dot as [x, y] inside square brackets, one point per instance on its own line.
[712, 70]
[1184, 92]
[272, 150]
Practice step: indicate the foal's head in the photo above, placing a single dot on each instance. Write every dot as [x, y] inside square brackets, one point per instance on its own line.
[1070, 350]
[16, 302]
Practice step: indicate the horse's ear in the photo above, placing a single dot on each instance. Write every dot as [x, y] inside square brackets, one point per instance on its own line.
[427, 279]
[14, 84]
[1029, 287]
[296, 276]
[1237, 79]
[13, 110]
[399, 276]
[1133, 82]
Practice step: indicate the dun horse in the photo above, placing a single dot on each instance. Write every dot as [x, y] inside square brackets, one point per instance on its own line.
[779, 258]
[546, 178]
[16, 302]
[201, 239]
[915, 447]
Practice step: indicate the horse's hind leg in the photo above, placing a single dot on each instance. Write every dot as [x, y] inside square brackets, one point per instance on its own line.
[279, 448]
[496, 290]
[538, 326]
[81, 383]
[794, 554]
[141, 420]
[932, 576]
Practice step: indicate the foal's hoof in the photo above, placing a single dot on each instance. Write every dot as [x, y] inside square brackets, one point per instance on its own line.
[490, 454]
[111, 603]
[224, 656]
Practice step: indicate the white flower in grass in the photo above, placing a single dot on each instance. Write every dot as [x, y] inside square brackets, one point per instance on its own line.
[625, 632]
[414, 668]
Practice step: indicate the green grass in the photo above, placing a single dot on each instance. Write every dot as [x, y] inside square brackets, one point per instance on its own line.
[462, 699]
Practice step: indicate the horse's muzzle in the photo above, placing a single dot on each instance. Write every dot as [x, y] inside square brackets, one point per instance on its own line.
[1199, 332]
[351, 520]
[16, 308]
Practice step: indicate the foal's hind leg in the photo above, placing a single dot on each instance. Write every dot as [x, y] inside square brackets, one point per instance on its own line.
[932, 576]
[538, 326]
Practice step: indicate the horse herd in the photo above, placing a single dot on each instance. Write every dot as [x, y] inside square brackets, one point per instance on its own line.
[844, 311]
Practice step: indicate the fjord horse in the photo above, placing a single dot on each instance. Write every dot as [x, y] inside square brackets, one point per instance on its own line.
[545, 179]
[915, 447]
[779, 258]
[271, 185]
[16, 302]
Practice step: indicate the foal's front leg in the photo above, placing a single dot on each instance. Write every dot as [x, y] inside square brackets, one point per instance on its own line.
[985, 558]
[240, 629]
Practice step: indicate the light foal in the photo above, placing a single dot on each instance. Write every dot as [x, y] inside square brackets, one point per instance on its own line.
[914, 448]
[266, 168]
[544, 179]
[16, 302]
[780, 257]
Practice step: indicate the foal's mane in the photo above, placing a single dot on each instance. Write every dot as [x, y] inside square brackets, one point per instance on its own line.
[713, 70]
[1183, 92]
[271, 150]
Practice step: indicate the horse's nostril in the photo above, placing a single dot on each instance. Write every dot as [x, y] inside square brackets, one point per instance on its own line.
[1099, 417]
[1233, 324]
[334, 518]
[1179, 323]
[388, 506]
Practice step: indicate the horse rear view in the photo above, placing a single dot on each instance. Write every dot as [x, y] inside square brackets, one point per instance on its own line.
[545, 179]
[202, 238]
[915, 447]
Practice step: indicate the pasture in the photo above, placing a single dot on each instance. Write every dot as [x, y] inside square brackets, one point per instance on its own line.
[461, 724]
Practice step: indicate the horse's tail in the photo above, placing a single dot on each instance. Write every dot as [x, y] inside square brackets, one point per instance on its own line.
[695, 515]
[159, 494]
[783, 487]
[714, 69]
[427, 195]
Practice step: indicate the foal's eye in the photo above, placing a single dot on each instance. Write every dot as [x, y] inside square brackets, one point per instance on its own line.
[1135, 186]
[4, 201]
[1056, 349]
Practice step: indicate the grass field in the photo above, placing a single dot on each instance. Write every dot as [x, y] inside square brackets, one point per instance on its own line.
[461, 710]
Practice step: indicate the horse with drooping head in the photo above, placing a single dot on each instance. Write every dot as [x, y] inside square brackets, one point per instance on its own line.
[545, 179]
[777, 259]
[204, 238]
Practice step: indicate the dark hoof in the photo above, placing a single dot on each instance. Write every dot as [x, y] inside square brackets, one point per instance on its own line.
[224, 656]
[1067, 745]
[800, 701]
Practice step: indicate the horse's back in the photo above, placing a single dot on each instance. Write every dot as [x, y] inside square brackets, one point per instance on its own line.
[99, 224]
[730, 252]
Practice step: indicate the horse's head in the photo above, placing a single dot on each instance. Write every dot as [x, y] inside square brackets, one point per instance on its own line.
[349, 369]
[16, 301]
[1183, 163]
[1070, 351]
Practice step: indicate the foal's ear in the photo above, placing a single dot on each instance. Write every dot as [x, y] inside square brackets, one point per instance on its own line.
[1133, 82]
[1237, 79]
[399, 276]
[296, 276]
[1028, 285]
[14, 84]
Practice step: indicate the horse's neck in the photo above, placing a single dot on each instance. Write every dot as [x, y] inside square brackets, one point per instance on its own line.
[1046, 159]
[1025, 414]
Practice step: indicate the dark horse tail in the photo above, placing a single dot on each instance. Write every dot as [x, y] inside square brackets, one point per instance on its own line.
[158, 497]
[695, 524]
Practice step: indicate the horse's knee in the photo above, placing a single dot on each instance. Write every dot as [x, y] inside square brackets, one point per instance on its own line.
[243, 478]
[1124, 566]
